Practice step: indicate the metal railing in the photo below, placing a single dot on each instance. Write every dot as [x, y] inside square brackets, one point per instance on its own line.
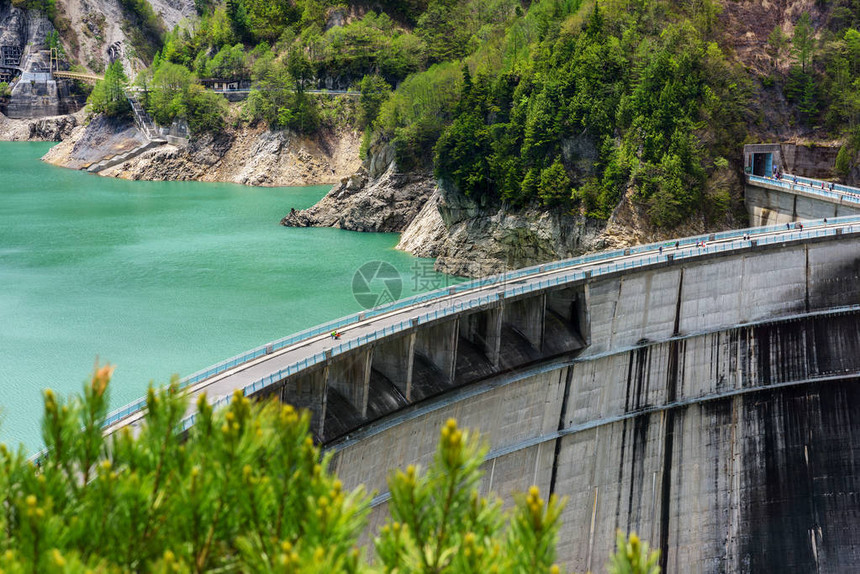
[699, 248]
[76, 75]
[840, 193]
[817, 183]
[141, 119]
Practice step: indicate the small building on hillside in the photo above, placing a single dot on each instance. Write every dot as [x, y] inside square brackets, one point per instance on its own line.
[226, 84]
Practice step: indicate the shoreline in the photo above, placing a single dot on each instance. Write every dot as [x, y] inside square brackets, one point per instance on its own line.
[248, 155]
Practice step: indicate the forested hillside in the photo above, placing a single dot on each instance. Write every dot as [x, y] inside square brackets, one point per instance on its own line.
[565, 104]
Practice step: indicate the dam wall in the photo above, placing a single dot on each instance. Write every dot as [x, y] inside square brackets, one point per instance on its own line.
[775, 206]
[707, 403]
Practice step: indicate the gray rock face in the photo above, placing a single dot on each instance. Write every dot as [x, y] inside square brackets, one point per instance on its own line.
[427, 233]
[389, 203]
[810, 160]
[580, 155]
[102, 138]
[12, 26]
[468, 237]
[247, 155]
[52, 129]
[474, 240]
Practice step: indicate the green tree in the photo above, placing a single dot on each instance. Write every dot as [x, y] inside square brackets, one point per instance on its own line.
[299, 67]
[168, 90]
[52, 39]
[267, 19]
[632, 556]
[228, 63]
[442, 28]
[440, 523]
[374, 91]
[808, 103]
[803, 41]
[554, 187]
[246, 491]
[239, 21]
[852, 49]
[108, 95]
[49, 7]
[205, 110]
[778, 43]
[461, 155]
[704, 14]
[174, 93]
[843, 160]
[279, 97]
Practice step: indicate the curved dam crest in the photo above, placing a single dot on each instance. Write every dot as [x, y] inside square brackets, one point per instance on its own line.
[706, 404]
[702, 396]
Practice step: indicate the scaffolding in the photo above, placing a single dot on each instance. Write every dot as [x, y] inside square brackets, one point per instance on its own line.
[10, 56]
[10, 60]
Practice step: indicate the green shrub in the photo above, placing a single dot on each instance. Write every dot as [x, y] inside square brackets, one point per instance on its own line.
[845, 159]
[278, 96]
[632, 556]
[174, 93]
[49, 7]
[247, 491]
[374, 92]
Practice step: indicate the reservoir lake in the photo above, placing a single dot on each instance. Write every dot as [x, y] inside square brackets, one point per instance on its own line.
[157, 278]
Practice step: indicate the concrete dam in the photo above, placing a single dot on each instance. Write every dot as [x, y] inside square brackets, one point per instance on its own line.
[793, 196]
[703, 395]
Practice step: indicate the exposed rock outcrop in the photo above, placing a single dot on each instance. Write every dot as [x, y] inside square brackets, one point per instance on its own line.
[51, 129]
[466, 237]
[472, 240]
[388, 203]
[426, 235]
[245, 155]
[101, 138]
[97, 32]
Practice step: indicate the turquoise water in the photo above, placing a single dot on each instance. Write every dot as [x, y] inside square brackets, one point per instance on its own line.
[156, 278]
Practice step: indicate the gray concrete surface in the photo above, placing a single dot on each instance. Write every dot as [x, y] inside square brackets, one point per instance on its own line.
[772, 202]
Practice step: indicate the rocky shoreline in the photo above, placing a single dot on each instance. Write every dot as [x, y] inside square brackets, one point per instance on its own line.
[467, 239]
[47, 129]
[247, 155]
[385, 204]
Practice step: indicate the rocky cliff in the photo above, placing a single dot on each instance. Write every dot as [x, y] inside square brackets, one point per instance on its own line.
[97, 32]
[52, 129]
[387, 203]
[249, 155]
[474, 241]
[467, 238]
